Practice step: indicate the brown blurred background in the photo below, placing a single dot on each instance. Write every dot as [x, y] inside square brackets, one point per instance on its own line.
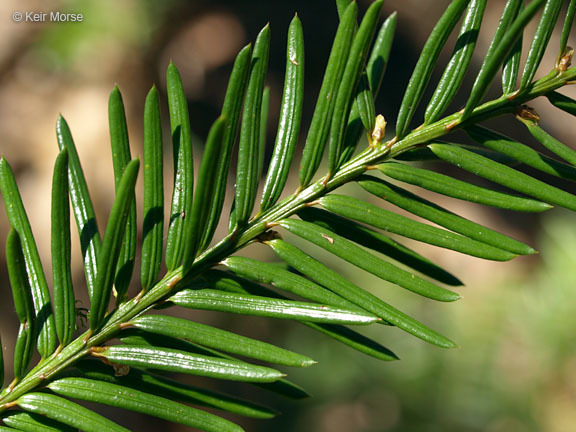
[515, 368]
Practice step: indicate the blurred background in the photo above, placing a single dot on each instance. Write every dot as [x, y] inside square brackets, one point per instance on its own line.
[515, 369]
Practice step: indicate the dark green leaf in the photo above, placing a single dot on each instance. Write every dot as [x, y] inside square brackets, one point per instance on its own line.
[112, 243]
[487, 153]
[434, 213]
[354, 340]
[458, 65]
[250, 150]
[153, 225]
[378, 60]
[375, 69]
[219, 339]
[505, 39]
[417, 154]
[389, 221]
[350, 78]
[264, 114]
[455, 188]
[23, 302]
[504, 175]
[207, 299]
[30, 422]
[40, 294]
[64, 301]
[568, 22]
[520, 152]
[426, 63]
[510, 68]
[290, 116]
[354, 254]
[230, 283]
[563, 102]
[421, 154]
[21, 290]
[173, 390]
[204, 195]
[197, 395]
[179, 361]
[67, 412]
[145, 403]
[183, 169]
[511, 65]
[81, 206]
[120, 158]
[552, 144]
[341, 5]
[286, 388]
[142, 338]
[364, 104]
[23, 350]
[378, 242]
[231, 111]
[150, 340]
[510, 13]
[339, 284]
[320, 125]
[261, 272]
[540, 40]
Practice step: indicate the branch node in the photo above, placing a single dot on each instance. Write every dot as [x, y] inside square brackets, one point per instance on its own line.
[525, 114]
[565, 59]
[269, 235]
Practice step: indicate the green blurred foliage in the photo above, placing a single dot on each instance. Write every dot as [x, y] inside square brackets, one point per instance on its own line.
[130, 24]
[513, 372]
